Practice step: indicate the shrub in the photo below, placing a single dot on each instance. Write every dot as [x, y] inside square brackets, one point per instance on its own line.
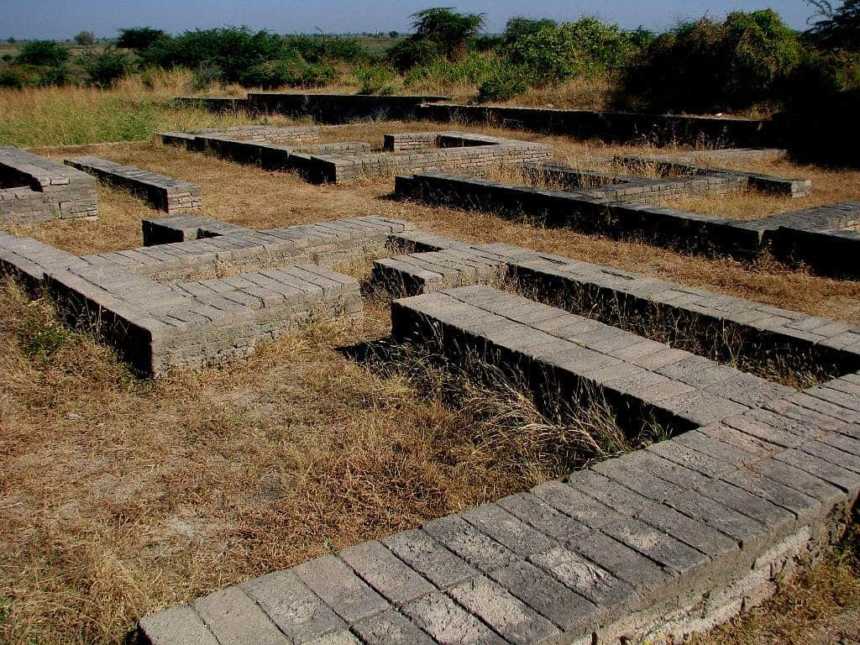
[14, 77]
[43, 52]
[317, 49]
[412, 52]
[292, 71]
[820, 121]
[709, 66]
[139, 38]
[205, 76]
[520, 27]
[507, 83]
[231, 49]
[553, 53]
[106, 68]
[376, 79]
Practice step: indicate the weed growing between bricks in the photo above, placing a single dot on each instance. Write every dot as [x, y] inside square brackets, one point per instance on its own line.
[519, 424]
[728, 344]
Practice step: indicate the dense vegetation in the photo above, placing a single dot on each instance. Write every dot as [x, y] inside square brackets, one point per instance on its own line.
[749, 62]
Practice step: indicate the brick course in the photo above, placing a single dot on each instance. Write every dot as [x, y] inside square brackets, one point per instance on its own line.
[164, 193]
[36, 189]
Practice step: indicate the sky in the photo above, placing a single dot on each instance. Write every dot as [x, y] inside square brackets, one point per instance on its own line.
[58, 19]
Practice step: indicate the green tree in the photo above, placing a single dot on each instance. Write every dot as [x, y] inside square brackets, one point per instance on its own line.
[449, 29]
[43, 52]
[519, 27]
[105, 68]
[440, 32]
[139, 37]
[707, 65]
[836, 28]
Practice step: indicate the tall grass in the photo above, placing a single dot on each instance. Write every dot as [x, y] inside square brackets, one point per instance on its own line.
[135, 109]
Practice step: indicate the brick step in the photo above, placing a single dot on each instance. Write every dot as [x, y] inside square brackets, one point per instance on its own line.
[641, 378]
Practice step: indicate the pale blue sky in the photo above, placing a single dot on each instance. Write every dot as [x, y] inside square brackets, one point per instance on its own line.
[64, 18]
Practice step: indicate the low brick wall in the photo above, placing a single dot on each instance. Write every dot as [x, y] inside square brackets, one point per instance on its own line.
[36, 189]
[271, 149]
[798, 237]
[340, 108]
[666, 226]
[614, 127]
[169, 306]
[165, 193]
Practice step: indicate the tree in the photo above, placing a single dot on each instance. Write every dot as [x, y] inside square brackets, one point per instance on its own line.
[105, 68]
[836, 28]
[519, 27]
[449, 29]
[43, 52]
[139, 37]
[85, 39]
[439, 33]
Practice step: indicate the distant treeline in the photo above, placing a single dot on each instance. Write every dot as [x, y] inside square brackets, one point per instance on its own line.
[747, 60]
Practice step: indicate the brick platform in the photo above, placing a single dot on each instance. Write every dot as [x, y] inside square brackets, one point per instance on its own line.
[35, 189]
[655, 544]
[274, 149]
[165, 193]
[169, 305]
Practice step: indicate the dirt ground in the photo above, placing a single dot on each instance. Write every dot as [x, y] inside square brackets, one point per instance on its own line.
[121, 496]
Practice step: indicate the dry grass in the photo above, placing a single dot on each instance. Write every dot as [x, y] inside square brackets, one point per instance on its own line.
[133, 111]
[121, 496]
[821, 606]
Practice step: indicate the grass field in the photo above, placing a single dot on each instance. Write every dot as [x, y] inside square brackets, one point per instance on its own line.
[121, 496]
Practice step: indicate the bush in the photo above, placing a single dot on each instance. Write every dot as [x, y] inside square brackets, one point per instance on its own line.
[519, 27]
[231, 49]
[205, 76]
[139, 38]
[411, 53]
[552, 53]
[292, 71]
[43, 52]
[820, 121]
[21, 76]
[318, 49]
[13, 77]
[711, 66]
[106, 68]
[505, 85]
[377, 79]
